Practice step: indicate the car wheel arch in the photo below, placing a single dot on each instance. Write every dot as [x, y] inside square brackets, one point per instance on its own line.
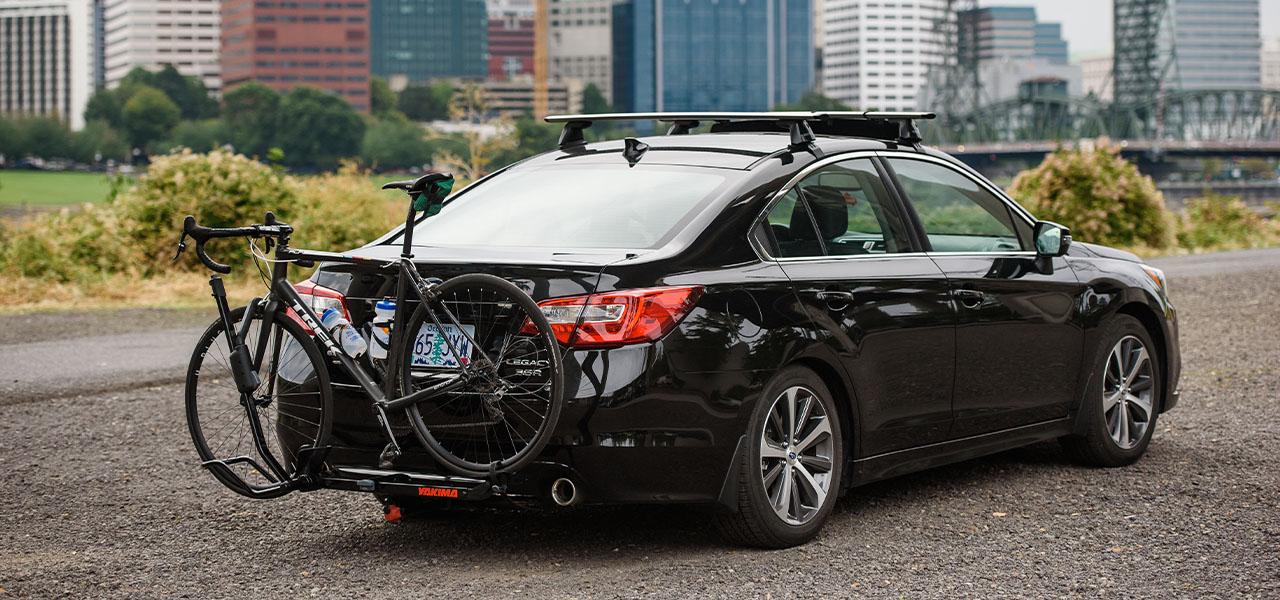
[1151, 322]
[846, 406]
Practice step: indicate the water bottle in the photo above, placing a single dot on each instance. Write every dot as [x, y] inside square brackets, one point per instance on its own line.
[346, 335]
[383, 312]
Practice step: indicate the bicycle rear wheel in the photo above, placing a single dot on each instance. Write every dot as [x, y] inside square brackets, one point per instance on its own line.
[292, 403]
[504, 415]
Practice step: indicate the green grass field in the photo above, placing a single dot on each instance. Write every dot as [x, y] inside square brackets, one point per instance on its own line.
[52, 188]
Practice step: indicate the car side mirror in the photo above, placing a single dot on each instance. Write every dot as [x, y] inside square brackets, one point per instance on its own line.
[1052, 239]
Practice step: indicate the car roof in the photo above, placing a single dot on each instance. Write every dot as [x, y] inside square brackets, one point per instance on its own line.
[730, 150]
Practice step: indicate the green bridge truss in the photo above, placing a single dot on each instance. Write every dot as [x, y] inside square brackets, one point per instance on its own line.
[1186, 116]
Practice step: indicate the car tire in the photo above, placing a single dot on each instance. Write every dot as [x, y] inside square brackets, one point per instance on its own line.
[769, 511]
[1122, 399]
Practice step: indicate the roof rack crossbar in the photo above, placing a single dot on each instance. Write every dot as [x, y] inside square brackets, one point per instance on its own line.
[796, 122]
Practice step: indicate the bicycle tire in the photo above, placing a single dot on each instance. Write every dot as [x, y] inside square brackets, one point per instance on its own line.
[217, 420]
[474, 431]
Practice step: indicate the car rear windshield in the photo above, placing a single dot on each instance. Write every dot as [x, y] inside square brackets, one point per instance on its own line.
[582, 206]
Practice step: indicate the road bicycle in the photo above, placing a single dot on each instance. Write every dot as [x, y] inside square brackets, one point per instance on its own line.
[471, 362]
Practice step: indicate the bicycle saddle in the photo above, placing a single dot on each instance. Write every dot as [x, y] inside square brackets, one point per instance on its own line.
[416, 186]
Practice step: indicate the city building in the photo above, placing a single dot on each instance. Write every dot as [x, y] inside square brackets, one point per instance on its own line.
[285, 44]
[511, 38]
[514, 97]
[154, 33]
[46, 58]
[1096, 74]
[520, 8]
[421, 40]
[877, 54]
[1270, 64]
[1000, 32]
[1185, 45]
[704, 55]
[580, 43]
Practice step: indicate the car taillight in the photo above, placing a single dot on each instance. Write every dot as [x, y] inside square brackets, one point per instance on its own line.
[617, 318]
[320, 299]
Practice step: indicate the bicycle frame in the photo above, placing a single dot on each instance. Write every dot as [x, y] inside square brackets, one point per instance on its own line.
[283, 295]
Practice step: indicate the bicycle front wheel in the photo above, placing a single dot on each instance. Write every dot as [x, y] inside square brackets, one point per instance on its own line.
[507, 410]
[292, 404]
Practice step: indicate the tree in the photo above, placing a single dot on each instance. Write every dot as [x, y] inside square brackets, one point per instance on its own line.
[469, 105]
[382, 100]
[99, 139]
[426, 102]
[149, 115]
[104, 105]
[394, 143]
[533, 136]
[249, 114]
[1099, 195]
[814, 101]
[10, 140]
[593, 102]
[188, 93]
[199, 136]
[45, 137]
[316, 129]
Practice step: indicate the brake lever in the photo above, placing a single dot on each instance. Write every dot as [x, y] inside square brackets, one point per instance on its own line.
[182, 245]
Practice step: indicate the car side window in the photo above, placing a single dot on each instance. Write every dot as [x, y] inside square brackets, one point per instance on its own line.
[956, 213]
[839, 210]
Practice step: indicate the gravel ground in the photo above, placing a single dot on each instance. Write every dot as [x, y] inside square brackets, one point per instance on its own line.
[102, 498]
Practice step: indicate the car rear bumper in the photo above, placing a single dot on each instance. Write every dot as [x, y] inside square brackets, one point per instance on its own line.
[633, 429]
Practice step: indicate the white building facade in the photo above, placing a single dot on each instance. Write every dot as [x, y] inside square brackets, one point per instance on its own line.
[154, 33]
[1271, 64]
[1096, 71]
[876, 54]
[46, 58]
[580, 43]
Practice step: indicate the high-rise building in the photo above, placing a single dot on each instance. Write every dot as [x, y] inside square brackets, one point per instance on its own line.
[1271, 64]
[46, 58]
[1096, 75]
[154, 33]
[510, 46]
[285, 44]
[580, 43]
[1185, 45]
[1009, 32]
[709, 55]
[420, 40]
[877, 54]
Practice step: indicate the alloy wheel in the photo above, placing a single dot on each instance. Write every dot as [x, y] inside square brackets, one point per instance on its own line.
[1127, 392]
[796, 447]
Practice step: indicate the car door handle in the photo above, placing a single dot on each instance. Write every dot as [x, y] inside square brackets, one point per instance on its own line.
[969, 297]
[832, 296]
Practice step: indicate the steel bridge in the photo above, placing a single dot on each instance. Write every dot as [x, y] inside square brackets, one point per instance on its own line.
[1169, 120]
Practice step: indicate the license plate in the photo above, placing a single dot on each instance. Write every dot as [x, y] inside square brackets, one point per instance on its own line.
[430, 349]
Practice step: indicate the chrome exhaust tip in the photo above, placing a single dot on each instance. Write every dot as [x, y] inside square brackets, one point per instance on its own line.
[564, 492]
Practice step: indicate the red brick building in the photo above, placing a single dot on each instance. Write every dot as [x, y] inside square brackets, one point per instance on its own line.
[283, 44]
[510, 46]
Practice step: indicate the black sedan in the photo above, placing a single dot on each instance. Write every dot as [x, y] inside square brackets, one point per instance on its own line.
[759, 316]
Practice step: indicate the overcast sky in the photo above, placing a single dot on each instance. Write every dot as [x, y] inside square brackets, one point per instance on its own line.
[1086, 24]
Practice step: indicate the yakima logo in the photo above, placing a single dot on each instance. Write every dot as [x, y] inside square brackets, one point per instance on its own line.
[438, 492]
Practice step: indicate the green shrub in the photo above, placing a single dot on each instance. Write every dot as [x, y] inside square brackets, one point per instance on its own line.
[221, 189]
[343, 210]
[1099, 195]
[1216, 222]
[135, 233]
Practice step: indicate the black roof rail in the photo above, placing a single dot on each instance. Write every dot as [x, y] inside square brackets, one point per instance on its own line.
[896, 126]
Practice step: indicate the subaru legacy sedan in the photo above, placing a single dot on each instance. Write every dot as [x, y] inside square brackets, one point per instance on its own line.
[758, 311]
